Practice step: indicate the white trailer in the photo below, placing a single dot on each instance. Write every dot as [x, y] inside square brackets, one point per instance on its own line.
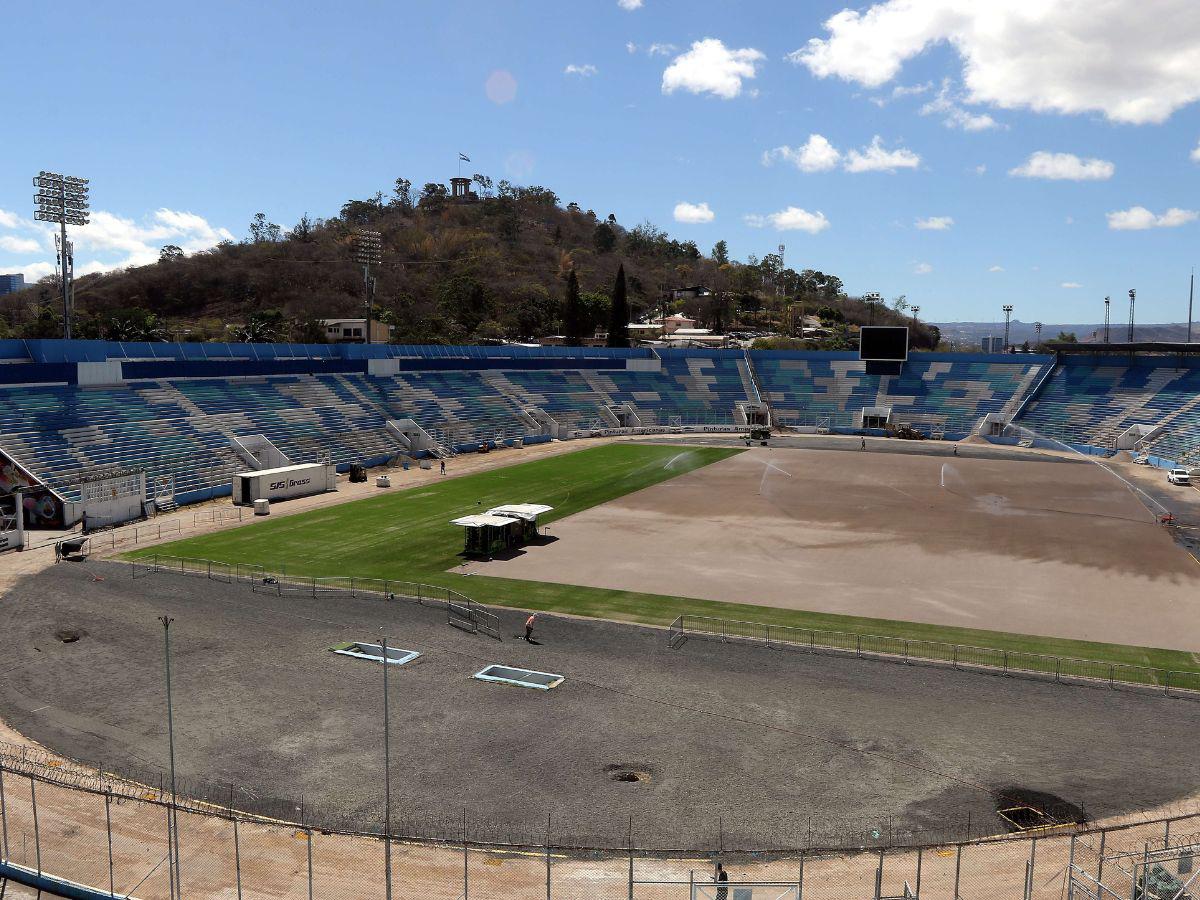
[283, 483]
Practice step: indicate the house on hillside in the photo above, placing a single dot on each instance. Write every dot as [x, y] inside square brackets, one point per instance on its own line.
[350, 331]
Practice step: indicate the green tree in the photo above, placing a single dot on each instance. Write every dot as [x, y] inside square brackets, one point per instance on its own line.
[263, 231]
[433, 196]
[1067, 337]
[402, 196]
[170, 253]
[263, 327]
[618, 320]
[303, 230]
[720, 253]
[604, 238]
[573, 313]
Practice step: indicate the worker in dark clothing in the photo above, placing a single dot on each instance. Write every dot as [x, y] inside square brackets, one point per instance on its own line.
[722, 879]
[863, 444]
[529, 626]
[443, 467]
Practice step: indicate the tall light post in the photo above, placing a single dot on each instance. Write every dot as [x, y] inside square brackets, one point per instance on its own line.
[166, 623]
[62, 199]
[916, 311]
[1191, 293]
[1132, 302]
[1107, 304]
[387, 777]
[1037, 334]
[368, 250]
[1007, 317]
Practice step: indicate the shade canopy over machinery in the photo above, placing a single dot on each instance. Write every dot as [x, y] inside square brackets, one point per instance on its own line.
[501, 528]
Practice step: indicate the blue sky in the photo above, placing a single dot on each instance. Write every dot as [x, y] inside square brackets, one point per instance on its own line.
[188, 122]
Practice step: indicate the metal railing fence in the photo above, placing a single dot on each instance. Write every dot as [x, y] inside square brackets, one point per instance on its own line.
[63, 822]
[461, 610]
[1061, 669]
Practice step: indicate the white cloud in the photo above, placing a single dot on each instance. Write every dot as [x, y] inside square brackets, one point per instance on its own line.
[115, 242]
[1195, 154]
[711, 68]
[981, 169]
[693, 213]
[816, 155]
[586, 70]
[31, 271]
[901, 90]
[953, 115]
[19, 244]
[8, 220]
[922, 269]
[875, 158]
[1063, 167]
[629, 5]
[1049, 57]
[935, 223]
[661, 49]
[1138, 218]
[1071, 285]
[631, 47]
[995, 268]
[793, 218]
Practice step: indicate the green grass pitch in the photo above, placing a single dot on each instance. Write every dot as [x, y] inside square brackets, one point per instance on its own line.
[406, 535]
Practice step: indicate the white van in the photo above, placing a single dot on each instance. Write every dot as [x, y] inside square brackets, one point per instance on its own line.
[1179, 476]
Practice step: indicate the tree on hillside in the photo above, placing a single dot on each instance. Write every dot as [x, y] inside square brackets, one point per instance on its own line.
[402, 197]
[573, 313]
[262, 231]
[433, 196]
[618, 321]
[303, 230]
[170, 253]
[720, 253]
[604, 238]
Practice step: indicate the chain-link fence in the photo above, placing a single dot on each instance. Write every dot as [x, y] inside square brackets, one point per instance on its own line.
[60, 822]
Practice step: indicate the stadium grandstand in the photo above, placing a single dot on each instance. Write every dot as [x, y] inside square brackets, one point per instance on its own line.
[189, 415]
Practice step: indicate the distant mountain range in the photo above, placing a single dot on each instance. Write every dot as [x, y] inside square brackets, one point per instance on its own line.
[966, 334]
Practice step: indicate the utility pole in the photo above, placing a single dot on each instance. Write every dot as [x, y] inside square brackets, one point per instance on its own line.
[387, 777]
[1107, 303]
[62, 199]
[1007, 316]
[166, 623]
[1132, 301]
[368, 249]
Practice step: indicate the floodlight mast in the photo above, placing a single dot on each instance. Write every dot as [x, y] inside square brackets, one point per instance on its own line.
[63, 199]
[368, 249]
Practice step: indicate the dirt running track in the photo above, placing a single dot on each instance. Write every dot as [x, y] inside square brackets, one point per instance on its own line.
[1036, 546]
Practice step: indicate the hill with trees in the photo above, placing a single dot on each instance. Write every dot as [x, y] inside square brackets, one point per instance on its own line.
[495, 266]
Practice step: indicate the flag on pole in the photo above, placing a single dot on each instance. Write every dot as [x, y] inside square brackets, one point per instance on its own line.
[464, 157]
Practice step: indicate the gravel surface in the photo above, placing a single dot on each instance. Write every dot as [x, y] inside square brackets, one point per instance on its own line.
[705, 743]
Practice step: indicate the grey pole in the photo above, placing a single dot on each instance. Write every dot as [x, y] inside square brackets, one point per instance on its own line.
[1191, 293]
[548, 856]
[957, 870]
[174, 816]
[170, 865]
[387, 778]
[466, 876]
[4, 818]
[37, 837]
[310, 888]
[112, 889]
[237, 858]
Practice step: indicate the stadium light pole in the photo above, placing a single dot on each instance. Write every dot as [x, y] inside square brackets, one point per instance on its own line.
[368, 250]
[1037, 334]
[1132, 302]
[166, 623]
[1107, 304]
[916, 311]
[62, 199]
[1191, 293]
[1007, 316]
[387, 778]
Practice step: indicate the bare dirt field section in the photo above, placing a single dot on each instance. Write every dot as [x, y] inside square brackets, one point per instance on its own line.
[1033, 545]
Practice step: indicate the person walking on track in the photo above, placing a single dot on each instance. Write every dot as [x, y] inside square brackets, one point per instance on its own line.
[722, 879]
[529, 627]
[863, 444]
[443, 467]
